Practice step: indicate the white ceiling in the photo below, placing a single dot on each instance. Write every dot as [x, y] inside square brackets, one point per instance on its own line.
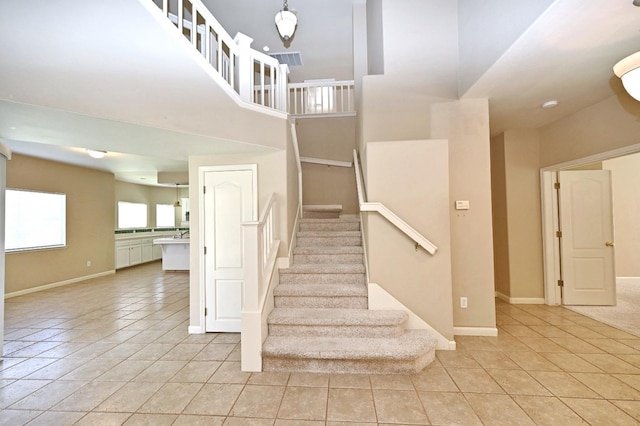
[107, 75]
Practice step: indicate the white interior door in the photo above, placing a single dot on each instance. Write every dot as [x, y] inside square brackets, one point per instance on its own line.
[586, 222]
[229, 200]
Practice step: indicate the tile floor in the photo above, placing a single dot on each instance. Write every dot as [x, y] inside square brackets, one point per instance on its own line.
[115, 350]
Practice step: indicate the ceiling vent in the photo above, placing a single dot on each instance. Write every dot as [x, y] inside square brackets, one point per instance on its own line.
[293, 59]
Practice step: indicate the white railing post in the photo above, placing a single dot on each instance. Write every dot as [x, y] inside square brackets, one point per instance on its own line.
[245, 67]
[282, 87]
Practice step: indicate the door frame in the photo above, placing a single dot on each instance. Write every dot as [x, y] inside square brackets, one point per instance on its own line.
[549, 206]
[202, 266]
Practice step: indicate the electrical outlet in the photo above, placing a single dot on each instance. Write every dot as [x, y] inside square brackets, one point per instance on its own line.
[463, 302]
[88, 263]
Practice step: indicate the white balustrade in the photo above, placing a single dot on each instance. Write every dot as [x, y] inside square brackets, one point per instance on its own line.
[322, 97]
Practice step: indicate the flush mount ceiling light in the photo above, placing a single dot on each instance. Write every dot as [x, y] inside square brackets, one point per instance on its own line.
[286, 22]
[96, 154]
[549, 104]
[628, 70]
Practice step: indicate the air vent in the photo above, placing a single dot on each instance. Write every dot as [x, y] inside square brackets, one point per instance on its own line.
[293, 59]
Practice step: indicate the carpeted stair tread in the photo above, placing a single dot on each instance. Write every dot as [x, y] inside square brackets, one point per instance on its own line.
[328, 234]
[314, 268]
[412, 344]
[337, 317]
[343, 219]
[329, 250]
[320, 290]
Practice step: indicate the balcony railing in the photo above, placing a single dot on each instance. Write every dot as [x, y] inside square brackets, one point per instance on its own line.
[322, 97]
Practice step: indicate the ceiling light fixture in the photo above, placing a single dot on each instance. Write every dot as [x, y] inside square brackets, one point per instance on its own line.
[628, 69]
[96, 154]
[286, 22]
[549, 104]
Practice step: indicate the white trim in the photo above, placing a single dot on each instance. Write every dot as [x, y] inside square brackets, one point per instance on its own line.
[326, 114]
[475, 331]
[607, 155]
[628, 279]
[521, 300]
[195, 329]
[380, 299]
[326, 162]
[57, 284]
[4, 150]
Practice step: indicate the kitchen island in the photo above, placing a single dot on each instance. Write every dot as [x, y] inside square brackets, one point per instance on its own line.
[175, 253]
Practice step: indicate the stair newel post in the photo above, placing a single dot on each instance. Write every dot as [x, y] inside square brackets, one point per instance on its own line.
[245, 67]
[250, 324]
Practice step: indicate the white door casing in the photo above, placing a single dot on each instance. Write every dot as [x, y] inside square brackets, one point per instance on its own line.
[586, 222]
[229, 199]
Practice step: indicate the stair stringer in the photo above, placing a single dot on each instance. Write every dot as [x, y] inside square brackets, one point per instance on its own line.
[380, 299]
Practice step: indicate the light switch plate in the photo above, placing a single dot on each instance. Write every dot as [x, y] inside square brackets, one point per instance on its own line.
[462, 205]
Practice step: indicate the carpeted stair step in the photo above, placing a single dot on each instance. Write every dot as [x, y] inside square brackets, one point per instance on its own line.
[323, 273]
[350, 224]
[328, 255]
[322, 211]
[329, 238]
[406, 354]
[328, 295]
[336, 322]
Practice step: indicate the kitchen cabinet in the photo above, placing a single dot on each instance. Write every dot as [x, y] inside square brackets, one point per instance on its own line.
[133, 251]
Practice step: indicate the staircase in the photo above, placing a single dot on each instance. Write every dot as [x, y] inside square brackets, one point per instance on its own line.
[321, 321]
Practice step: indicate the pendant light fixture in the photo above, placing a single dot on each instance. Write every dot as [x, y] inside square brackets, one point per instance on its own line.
[628, 69]
[286, 22]
[177, 203]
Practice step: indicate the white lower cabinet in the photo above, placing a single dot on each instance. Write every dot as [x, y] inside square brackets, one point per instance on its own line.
[133, 251]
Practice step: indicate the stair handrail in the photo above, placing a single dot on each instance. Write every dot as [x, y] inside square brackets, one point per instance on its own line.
[384, 211]
[231, 57]
[261, 242]
[296, 150]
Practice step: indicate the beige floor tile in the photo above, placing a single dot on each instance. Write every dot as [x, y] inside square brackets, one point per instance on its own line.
[608, 386]
[229, 372]
[599, 412]
[507, 343]
[447, 408]
[457, 359]
[196, 372]
[19, 389]
[474, 380]
[160, 371]
[258, 401]
[214, 399]
[103, 419]
[152, 351]
[57, 369]
[563, 384]
[284, 422]
[495, 360]
[359, 381]
[269, 378]
[391, 381]
[309, 379]
[531, 361]
[434, 379]
[171, 398]
[18, 417]
[632, 408]
[498, 410]
[632, 380]
[191, 420]
[350, 405]
[48, 396]
[542, 344]
[89, 396]
[631, 359]
[576, 345]
[548, 411]
[246, 421]
[125, 371]
[304, 403]
[518, 382]
[49, 418]
[610, 363]
[571, 363]
[399, 406]
[25, 368]
[150, 419]
[129, 397]
[215, 351]
[91, 369]
[520, 331]
[549, 331]
[183, 352]
[612, 332]
[475, 343]
[123, 350]
[631, 342]
[612, 346]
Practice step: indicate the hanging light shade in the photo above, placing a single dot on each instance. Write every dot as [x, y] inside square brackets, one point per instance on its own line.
[628, 69]
[286, 22]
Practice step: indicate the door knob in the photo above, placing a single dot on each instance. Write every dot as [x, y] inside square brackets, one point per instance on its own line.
[609, 244]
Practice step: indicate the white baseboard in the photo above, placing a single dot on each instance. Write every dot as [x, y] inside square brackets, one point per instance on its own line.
[521, 300]
[475, 331]
[629, 280]
[57, 284]
[195, 329]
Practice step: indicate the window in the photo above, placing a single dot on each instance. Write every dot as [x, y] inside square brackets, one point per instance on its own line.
[34, 220]
[165, 215]
[132, 215]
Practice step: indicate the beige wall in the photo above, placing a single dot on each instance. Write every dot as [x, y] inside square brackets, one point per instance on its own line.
[625, 175]
[518, 250]
[149, 195]
[90, 223]
[410, 178]
[466, 125]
